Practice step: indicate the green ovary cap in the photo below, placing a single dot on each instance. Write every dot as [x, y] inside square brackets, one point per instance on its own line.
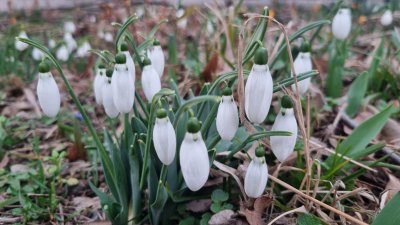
[193, 125]
[124, 47]
[101, 66]
[227, 91]
[161, 113]
[156, 42]
[146, 61]
[305, 46]
[286, 102]
[109, 72]
[261, 56]
[44, 67]
[260, 152]
[120, 58]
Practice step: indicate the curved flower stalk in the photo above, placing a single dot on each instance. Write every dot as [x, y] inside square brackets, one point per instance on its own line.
[70, 42]
[256, 176]
[69, 27]
[47, 91]
[259, 88]
[156, 56]
[164, 138]
[122, 85]
[83, 50]
[283, 146]
[193, 157]
[62, 53]
[107, 95]
[387, 18]
[151, 83]
[341, 24]
[227, 117]
[98, 83]
[19, 45]
[303, 64]
[37, 54]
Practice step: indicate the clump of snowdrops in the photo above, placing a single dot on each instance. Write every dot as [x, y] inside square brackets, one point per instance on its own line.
[169, 143]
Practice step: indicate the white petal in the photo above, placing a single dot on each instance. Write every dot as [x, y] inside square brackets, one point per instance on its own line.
[256, 177]
[19, 45]
[108, 101]
[48, 94]
[156, 56]
[302, 64]
[37, 54]
[164, 140]
[83, 50]
[341, 24]
[70, 42]
[194, 161]
[258, 93]
[131, 67]
[108, 37]
[387, 18]
[52, 43]
[227, 118]
[283, 146]
[151, 83]
[123, 87]
[69, 27]
[62, 53]
[98, 85]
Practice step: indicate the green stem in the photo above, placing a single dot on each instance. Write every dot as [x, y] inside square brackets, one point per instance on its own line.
[147, 148]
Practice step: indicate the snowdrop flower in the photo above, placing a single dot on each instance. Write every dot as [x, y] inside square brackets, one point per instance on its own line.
[69, 27]
[156, 56]
[52, 43]
[303, 64]
[259, 88]
[99, 81]
[256, 176]
[341, 24]
[122, 85]
[210, 27]
[37, 54]
[47, 91]
[19, 45]
[227, 116]
[193, 157]
[151, 83]
[62, 53]
[70, 41]
[108, 37]
[83, 49]
[107, 96]
[387, 18]
[182, 21]
[283, 146]
[164, 138]
[129, 60]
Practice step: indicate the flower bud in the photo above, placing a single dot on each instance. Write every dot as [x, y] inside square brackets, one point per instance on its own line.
[62, 53]
[151, 83]
[227, 117]
[341, 24]
[47, 91]
[99, 81]
[70, 42]
[19, 45]
[256, 176]
[69, 27]
[37, 54]
[303, 64]
[164, 138]
[156, 56]
[387, 18]
[83, 50]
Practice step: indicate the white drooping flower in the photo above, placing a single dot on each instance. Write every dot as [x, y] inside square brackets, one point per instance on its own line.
[62, 53]
[107, 96]
[256, 176]
[52, 43]
[164, 138]
[303, 64]
[341, 24]
[37, 54]
[151, 83]
[182, 21]
[193, 157]
[387, 18]
[227, 117]
[129, 62]
[122, 85]
[108, 36]
[98, 83]
[283, 146]
[259, 88]
[156, 56]
[83, 50]
[47, 91]
[19, 45]
[70, 42]
[69, 27]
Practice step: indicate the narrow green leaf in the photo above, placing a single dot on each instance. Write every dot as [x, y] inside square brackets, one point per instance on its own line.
[375, 78]
[390, 214]
[122, 29]
[308, 219]
[356, 94]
